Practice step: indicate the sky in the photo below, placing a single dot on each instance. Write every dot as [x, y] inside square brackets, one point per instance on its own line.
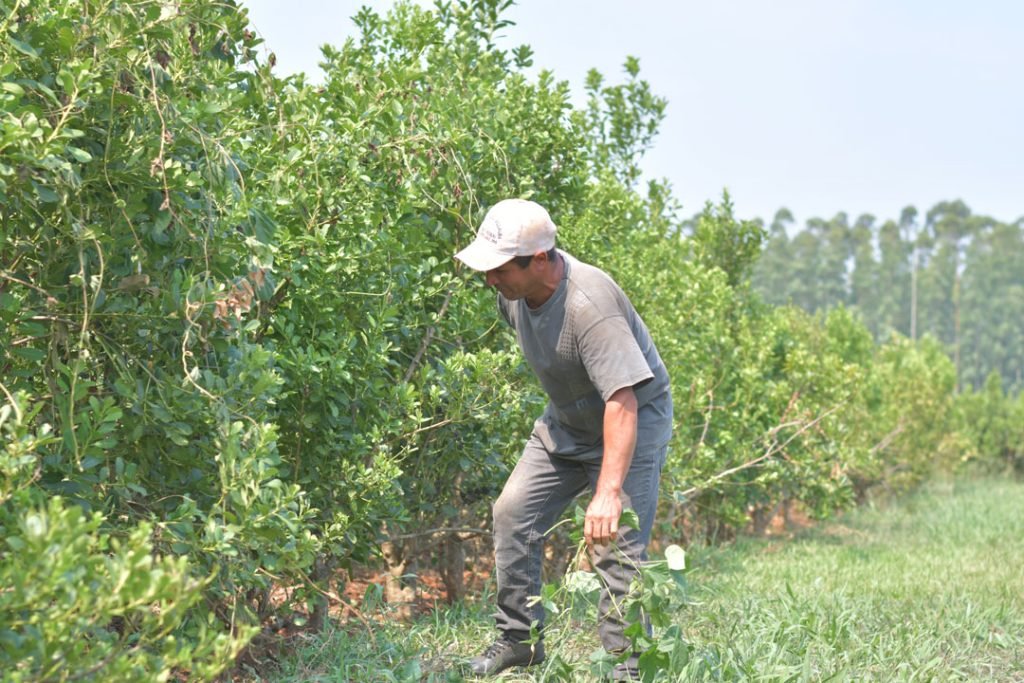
[862, 106]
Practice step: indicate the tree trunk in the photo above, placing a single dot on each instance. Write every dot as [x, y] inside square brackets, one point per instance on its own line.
[913, 298]
[956, 329]
[761, 517]
[453, 563]
[400, 585]
[320, 575]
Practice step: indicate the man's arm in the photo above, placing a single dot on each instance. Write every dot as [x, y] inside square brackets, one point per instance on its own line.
[602, 521]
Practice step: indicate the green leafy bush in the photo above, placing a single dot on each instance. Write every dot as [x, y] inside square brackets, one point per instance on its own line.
[83, 596]
[251, 360]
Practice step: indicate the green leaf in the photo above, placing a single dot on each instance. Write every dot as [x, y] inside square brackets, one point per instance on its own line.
[261, 226]
[651, 662]
[48, 91]
[46, 195]
[13, 88]
[32, 329]
[583, 583]
[213, 107]
[182, 427]
[80, 155]
[162, 220]
[30, 354]
[24, 48]
[579, 516]
[66, 37]
[67, 81]
[629, 518]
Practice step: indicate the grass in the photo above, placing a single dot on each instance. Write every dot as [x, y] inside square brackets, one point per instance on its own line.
[930, 588]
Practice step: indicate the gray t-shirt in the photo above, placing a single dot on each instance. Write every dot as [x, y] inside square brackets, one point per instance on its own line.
[585, 343]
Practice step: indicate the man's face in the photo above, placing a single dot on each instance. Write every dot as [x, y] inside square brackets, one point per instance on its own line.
[512, 281]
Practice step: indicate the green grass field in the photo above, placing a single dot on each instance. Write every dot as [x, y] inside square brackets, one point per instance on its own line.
[929, 588]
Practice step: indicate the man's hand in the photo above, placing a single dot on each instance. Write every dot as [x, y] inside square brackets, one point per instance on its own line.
[601, 524]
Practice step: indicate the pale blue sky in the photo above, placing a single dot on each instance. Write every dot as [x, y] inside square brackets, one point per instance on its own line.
[816, 105]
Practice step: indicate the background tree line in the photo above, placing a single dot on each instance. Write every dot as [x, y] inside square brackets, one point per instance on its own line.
[950, 274]
[236, 354]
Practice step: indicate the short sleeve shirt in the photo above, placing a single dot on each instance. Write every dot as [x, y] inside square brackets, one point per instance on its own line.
[585, 343]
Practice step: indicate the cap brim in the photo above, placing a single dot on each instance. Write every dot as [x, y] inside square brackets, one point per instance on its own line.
[482, 256]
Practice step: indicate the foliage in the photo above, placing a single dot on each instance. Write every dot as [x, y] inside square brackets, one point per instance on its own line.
[131, 272]
[956, 276]
[909, 397]
[993, 426]
[250, 361]
[84, 596]
[656, 595]
[720, 241]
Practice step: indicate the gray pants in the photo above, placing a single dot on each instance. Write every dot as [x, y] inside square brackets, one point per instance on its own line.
[539, 489]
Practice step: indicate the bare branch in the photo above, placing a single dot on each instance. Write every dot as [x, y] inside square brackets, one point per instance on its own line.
[443, 530]
[428, 337]
[773, 448]
[888, 438]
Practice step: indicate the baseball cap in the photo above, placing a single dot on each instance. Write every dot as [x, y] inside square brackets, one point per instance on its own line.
[512, 227]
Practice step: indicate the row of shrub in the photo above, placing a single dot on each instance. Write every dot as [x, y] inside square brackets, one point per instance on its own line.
[237, 356]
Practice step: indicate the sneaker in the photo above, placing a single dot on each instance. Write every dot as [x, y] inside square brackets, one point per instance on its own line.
[506, 652]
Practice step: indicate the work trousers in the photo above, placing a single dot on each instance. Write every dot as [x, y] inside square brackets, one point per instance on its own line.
[537, 492]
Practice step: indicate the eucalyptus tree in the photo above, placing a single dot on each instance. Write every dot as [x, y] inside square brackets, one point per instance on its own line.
[993, 307]
[895, 281]
[949, 228]
[773, 271]
[911, 233]
[805, 250]
[865, 293]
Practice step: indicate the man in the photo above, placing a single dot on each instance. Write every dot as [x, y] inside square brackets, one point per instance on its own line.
[605, 428]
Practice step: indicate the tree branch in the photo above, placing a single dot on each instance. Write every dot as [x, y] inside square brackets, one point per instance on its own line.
[772, 449]
[428, 337]
[442, 530]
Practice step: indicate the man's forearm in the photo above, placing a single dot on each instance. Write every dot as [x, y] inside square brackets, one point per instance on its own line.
[620, 418]
[619, 440]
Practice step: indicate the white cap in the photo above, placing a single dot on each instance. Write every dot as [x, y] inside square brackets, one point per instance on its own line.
[513, 227]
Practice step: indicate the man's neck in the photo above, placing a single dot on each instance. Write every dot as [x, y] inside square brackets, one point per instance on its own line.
[556, 269]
